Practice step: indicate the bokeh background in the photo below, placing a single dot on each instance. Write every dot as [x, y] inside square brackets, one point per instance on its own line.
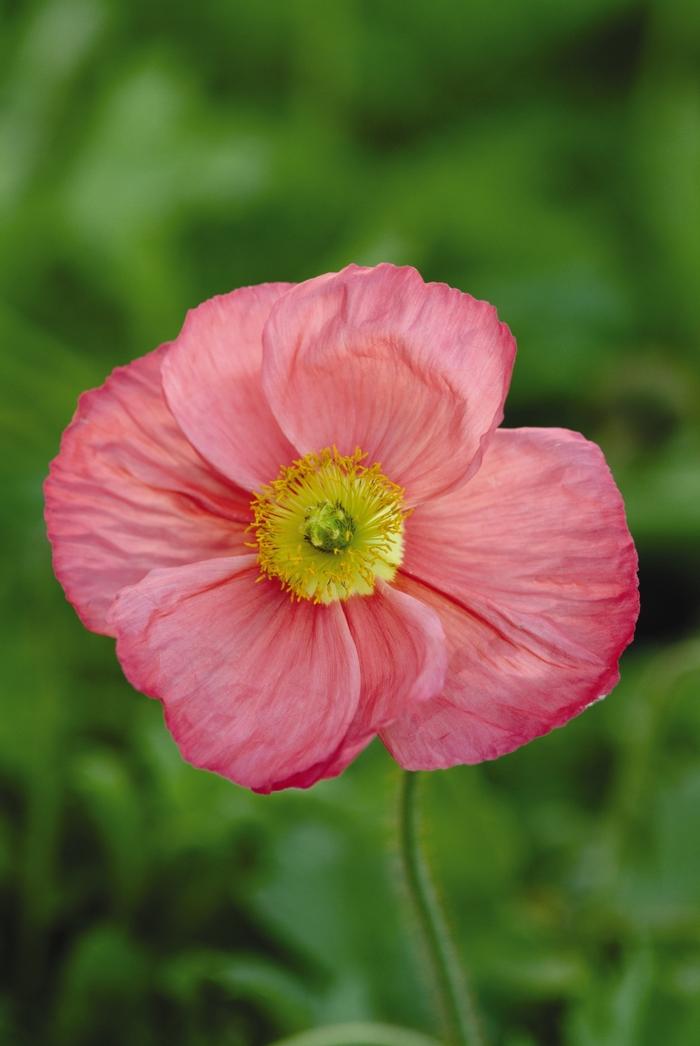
[542, 155]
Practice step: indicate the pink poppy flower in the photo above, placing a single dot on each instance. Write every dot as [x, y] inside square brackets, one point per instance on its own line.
[304, 527]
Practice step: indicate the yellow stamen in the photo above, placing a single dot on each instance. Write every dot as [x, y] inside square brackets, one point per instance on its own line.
[328, 526]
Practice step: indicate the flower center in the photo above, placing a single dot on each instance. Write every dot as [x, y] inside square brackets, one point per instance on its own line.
[329, 526]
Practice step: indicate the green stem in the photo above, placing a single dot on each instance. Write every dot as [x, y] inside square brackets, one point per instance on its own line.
[461, 1024]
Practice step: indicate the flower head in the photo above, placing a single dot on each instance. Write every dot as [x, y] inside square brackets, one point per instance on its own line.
[304, 527]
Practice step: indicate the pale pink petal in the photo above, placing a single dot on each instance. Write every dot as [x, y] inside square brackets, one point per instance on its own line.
[413, 373]
[128, 493]
[402, 654]
[212, 383]
[346, 752]
[401, 646]
[532, 570]
[255, 687]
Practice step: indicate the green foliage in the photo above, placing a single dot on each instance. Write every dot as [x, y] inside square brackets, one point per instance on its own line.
[544, 156]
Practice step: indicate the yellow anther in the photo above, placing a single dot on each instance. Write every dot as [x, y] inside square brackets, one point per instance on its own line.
[328, 526]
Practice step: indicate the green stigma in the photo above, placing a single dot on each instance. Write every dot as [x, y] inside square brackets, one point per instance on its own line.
[328, 527]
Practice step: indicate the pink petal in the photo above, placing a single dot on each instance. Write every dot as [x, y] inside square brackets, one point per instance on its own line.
[532, 570]
[212, 383]
[402, 654]
[128, 493]
[413, 373]
[255, 687]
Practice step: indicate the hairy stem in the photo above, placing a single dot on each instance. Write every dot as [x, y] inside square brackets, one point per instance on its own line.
[461, 1024]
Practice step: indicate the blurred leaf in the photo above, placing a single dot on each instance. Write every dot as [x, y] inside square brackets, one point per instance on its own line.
[112, 802]
[240, 977]
[358, 1035]
[103, 989]
[613, 1013]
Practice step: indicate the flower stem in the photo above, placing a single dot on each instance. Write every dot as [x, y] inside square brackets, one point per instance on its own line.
[459, 1015]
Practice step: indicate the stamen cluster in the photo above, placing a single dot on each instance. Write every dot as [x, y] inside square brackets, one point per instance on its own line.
[328, 526]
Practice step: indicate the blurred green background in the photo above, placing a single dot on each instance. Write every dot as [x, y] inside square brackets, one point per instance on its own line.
[542, 155]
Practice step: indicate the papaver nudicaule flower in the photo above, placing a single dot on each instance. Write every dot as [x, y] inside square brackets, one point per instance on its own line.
[304, 527]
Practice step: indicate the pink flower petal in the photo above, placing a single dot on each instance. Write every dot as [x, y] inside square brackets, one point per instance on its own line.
[212, 382]
[255, 687]
[403, 657]
[413, 373]
[128, 493]
[401, 646]
[346, 752]
[533, 572]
